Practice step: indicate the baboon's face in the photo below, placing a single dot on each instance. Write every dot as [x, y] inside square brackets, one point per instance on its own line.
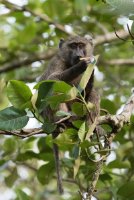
[75, 48]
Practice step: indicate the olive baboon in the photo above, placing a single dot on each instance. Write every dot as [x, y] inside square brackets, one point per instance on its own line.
[67, 66]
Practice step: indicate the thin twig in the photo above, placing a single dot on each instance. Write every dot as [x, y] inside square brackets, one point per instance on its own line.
[132, 36]
[118, 35]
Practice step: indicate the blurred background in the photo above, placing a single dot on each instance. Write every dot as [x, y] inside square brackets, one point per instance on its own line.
[30, 31]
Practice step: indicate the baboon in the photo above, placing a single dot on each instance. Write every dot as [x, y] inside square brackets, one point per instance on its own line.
[67, 66]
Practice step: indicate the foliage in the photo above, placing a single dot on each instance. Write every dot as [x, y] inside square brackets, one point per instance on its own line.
[29, 34]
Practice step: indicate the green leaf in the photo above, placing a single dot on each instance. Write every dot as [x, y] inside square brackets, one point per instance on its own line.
[22, 195]
[10, 145]
[108, 105]
[105, 177]
[19, 94]
[76, 166]
[127, 190]
[75, 152]
[78, 108]
[122, 7]
[48, 127]
[28, 33]
[86, 75]
[77, 123]
[86, 144]
[12, 119]
[10, 180]
[119, 164]
[64, 141]
[45, 172]
[27, 156]
[72, 93]
[55, 100]
[45, 144]
[72, 134]
[62, 113]
[81, 132]
[45, 89]
[62, 87]
[81, 7]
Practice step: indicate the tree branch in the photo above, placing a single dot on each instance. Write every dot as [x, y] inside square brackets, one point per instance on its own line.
[23, 62]
[116, 122]
[111, 36]
[125, 62]
[43, 16]
[24, 133]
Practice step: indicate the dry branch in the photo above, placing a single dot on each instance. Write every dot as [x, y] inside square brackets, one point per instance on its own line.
[24, 133]
[111, 36]
[23, 62]
[125, 62]
[116, 122]
[43, 16]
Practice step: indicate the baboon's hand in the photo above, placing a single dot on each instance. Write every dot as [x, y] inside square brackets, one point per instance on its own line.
[88, 59]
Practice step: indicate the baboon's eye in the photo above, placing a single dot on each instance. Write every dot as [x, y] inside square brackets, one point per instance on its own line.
[73, 45]
[81, 45]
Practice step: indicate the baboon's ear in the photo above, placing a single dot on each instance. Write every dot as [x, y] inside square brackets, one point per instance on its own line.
[61, 42]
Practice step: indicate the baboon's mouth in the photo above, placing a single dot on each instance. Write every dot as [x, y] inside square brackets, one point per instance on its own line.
[91, 59]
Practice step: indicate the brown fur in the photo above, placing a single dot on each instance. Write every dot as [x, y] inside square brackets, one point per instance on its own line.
[66, 66]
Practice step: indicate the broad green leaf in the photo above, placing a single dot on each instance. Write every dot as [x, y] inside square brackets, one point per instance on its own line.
[62, 113]
[86, 144]
[27, 156]
[108, 105]
[72, 93]
[12, 119]
[64, 141]
[27, 34]
[77, 123]
[127, 190]
[76, 166]
[122, 6]
[45, 90]
[45, 144]
[75, 151]
[48, 127]
[105, 177]
[55, 100]
[87, 74]
[19, 94]
[81, 7]
[78, 108]
[10, 180]
[62, 87]
[82, 132]
[45, 172]
[72, 134]
[2, 162]
[22, 195]
[10, 145]
[68, 162]
[34, 99]
[119, 164]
